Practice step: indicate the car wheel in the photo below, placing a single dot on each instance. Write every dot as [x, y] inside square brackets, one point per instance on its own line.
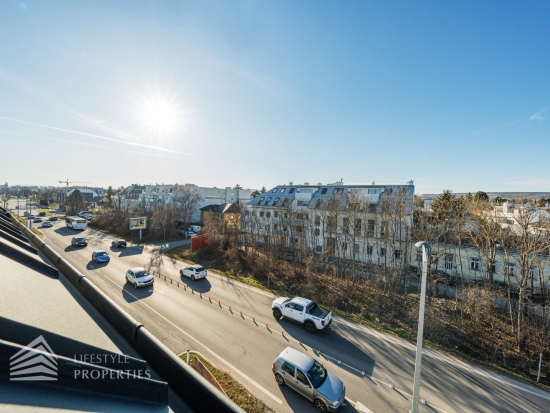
[181, 273]
[320, 405]
[279, 379]
[277, 313]
[193, 277]
[310, 327]
[135, 285]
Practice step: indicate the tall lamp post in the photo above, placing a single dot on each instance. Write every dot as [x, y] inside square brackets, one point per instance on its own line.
[418, 361]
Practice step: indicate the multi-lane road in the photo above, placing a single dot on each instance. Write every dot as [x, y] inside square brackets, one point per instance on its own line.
[231, 325]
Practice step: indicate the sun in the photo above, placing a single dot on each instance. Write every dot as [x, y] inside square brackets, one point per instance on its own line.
[160, 117]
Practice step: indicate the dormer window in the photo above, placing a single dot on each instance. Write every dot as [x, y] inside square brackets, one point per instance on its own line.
[283, 190]
[291, 190]
[275, 190]
[323, 191]
[262, 199]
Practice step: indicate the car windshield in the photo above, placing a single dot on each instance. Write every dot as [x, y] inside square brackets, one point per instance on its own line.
[101, 253]
[317, 374]
[143, 273]
[79, 239]
[199, 269]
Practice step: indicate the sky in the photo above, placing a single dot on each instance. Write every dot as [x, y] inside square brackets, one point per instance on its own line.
[451, 95]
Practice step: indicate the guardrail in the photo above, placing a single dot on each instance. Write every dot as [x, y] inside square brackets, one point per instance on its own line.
[192, 388]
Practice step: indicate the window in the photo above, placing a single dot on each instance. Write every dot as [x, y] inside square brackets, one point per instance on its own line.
[247, 212]
[382, 252]
[230, 217]
[282, 191]
[474, 264]
[268, 200]
[339, 190]
[291, 190]
[323, 191]
[402, 191]
[370, 228]
[286, 215]
[276, 200]
[276, 214]
[449, 261]
[357, 227]
[373, 191]
[261, 214]
[301, 377]
[372, 207]
[275, 227]
[419, 254]
[317, 231]
[319, 249]
[318, 204]
[344, 246]
[369, 249]
[317, 220]
[509, 269]
[389, 191]
[267, 228]
[346, 225]
[298, 307]
[274, 191]
[356, 249]
[397, 254]
[262, 199]
[288, 368]
[268, 214]
[253, 213]
[533, 271]
[285, 228]
[384, 229]
[434, 259]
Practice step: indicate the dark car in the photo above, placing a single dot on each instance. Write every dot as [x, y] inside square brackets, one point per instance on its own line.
[41, 214]
[53, 218]
[79, 242]
[38, 219]
[118, 243]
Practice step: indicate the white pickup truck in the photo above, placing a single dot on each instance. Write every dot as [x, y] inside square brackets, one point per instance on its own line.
[303, 311]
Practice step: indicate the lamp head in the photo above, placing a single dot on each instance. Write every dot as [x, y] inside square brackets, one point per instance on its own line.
[424, 244]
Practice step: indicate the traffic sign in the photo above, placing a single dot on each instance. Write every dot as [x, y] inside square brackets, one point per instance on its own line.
[17, 207]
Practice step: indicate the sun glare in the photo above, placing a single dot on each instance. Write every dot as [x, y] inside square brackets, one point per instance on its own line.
[160, 117]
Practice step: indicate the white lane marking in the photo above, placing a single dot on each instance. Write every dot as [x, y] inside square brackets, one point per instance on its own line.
[207, 348]
[360, 407]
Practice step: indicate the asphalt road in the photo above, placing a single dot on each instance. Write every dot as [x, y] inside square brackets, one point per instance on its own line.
[205, 316]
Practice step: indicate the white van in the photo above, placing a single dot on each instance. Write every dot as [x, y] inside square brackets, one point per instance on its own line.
[195, 228]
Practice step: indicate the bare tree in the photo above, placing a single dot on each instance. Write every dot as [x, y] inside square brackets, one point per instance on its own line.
[524, 242]
[186, 201]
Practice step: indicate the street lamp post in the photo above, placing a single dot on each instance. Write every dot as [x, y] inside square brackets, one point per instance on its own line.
[418, 361]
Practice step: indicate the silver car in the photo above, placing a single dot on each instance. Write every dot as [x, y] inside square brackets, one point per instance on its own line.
[308, 377]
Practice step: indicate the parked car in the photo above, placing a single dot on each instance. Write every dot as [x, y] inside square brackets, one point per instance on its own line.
[100, 256]
[118, 243]
[302, 311]
[194, 272]
[47, 224]
[38, 219]
[308, 377]
[41, 214]
[79, 242]
[139, 277]
[30, 216]
[53, 218]
[195, 228]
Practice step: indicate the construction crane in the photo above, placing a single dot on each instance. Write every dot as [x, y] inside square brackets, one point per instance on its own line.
[72, 182]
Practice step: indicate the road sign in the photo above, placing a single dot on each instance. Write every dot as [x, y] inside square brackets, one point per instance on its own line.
[17, 207]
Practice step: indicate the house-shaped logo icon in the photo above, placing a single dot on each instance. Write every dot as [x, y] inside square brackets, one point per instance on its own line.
[34, 362]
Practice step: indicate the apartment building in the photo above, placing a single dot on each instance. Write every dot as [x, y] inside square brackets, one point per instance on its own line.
[359, 223]
[163, 194]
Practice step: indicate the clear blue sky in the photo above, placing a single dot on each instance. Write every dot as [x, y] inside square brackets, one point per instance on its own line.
[454, 95]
